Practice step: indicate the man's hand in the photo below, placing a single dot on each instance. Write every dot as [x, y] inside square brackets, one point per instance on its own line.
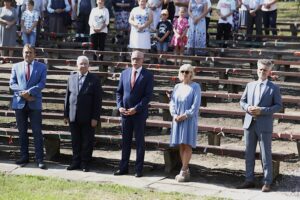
[66, 121]
[268, 6]
[130, 111]
[94, 123]
[122, 110]
[223, 18]
[27, 96]
[254, 110]
[252, 13]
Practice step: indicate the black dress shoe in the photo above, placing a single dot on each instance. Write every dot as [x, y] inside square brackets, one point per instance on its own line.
[246, 185]
[42, 165]
[266, 188]
[120, 173]
[73, 167]
[138, 174]
[22, 162]
[85, 168]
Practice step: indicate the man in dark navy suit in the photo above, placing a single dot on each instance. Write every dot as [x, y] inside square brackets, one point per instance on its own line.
[82, 112]
[133, 95]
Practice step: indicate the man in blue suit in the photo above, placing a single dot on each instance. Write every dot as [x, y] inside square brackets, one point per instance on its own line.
[133, 95]
[260, 100]
[28, 79]
[82, 112]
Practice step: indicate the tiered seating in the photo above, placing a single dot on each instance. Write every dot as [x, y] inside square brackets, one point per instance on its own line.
[165, 78]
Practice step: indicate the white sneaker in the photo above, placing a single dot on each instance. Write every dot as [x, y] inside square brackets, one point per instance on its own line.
[183, 176]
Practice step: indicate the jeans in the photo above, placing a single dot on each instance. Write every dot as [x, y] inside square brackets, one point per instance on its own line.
[162, 46]
[29, 38]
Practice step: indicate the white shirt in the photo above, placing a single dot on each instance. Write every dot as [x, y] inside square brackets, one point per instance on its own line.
[263, 85]
[98, 17]
[253, 4]
[225, 7]
[273, 6]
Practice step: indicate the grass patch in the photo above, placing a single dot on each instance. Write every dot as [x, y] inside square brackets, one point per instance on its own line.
[288, 11]
[35, 188]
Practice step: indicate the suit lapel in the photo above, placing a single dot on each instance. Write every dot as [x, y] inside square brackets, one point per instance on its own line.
[128, 81]
[75, 80]
[253, 92]
[34, 66]
[23, 72]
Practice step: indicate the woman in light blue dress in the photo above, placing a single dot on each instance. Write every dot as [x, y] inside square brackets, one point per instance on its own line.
[184, 108]
[197, 26]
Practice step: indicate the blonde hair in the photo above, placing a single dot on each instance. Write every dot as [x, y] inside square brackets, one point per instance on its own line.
[186, 67]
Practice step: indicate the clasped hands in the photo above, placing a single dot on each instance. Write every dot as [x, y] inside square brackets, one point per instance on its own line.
[127, 112]
[26, 96]
[254, 110]
[180, 118]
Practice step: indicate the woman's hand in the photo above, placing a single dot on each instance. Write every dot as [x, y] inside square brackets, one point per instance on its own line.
[180, 118]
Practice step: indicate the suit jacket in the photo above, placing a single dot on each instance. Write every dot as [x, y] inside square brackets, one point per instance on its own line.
[84, 105]
[34, 85]
[139, 96]
[270, 103]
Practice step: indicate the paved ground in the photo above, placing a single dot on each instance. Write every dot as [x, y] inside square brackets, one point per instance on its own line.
[153, 179]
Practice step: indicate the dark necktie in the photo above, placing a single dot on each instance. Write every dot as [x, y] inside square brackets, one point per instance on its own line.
[133, 77]
[80, 82]
[28, 72]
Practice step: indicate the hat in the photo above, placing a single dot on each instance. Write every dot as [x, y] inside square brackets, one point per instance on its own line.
[137, 54]
[164, 11]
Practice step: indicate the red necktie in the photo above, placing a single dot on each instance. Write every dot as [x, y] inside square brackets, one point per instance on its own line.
[133, 77]
[28, 72]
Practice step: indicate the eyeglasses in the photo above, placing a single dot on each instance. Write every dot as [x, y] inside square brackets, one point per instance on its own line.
[185, 72]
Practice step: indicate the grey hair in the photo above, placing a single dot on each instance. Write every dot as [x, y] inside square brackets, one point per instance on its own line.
[82, 58]
[187, 67]
[265, 62]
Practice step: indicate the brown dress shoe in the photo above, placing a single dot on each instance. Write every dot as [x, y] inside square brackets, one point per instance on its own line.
[266, 188]
[245, 185]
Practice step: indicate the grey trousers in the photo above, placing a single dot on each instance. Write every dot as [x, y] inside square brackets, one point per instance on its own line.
[253, 136]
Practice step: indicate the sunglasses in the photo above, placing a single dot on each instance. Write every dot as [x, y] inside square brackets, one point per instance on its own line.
[185, 72]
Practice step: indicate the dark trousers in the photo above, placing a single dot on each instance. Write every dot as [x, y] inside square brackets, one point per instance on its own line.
[130, 125]
[207, 20]
[82, 135]
[269, 19]
[257, 20]
[82, 27]
[98, 40]
[223, 32]
[35, 117]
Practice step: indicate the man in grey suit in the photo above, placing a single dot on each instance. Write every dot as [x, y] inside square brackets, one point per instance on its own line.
[82, 112]
[260, 100]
